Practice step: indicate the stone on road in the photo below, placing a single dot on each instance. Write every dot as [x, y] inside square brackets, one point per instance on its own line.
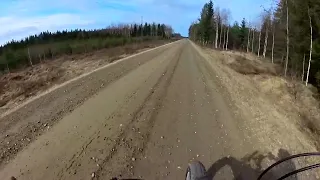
[149, 123]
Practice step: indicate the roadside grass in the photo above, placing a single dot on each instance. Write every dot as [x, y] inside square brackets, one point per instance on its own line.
[19, 85]
[290, 94]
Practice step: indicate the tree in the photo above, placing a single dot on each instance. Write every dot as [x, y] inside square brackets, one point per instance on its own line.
[135, 30]
[203, 29]
[227, 38]
[221, 26]
[267, 20]
[206, 23]
[163, 30]
[295, 43]
[194, 31]
[272, 49]
[303, 64]
[272, 20]
[159, 33]
[224, 38]
[248, 44]
[154, 29]
[243, 33]
[234, 36]
[217, 18]
[310, 54]
[225, 21]
[252, 47]
[288, 40]
[47, 45]
[259, 44]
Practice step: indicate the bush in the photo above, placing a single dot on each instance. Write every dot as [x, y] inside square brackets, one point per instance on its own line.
[246, 66]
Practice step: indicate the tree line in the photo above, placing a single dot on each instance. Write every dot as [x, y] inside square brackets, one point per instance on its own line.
[49, 45]
[287, 33]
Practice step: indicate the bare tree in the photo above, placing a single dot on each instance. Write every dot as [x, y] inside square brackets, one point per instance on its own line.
[227, 17]
[248, 43]
[259, 45]
[288, 41]
[224, 23]
[265, 42]
[224, 38]
[310, 54]
[252, 47]
[272, 49]
[221, 26]
[272, 23]
[303, 64]
[267, 20]
[217, 27]
[227, 38]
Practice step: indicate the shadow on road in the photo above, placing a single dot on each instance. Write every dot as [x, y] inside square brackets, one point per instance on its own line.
[250, 166]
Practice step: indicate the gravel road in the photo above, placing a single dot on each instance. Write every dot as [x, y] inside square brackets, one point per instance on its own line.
[143, 117]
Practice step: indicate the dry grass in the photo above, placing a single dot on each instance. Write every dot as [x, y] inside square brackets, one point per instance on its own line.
[248, 64]
[292, 98]
[274, 112]
[267, 105]
[245, 66]
[21, 85]
[295, 99]
[18, 86]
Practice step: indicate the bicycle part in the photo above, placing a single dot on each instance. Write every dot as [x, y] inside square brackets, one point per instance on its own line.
[196, 171]
[288, 158]
[299, 170]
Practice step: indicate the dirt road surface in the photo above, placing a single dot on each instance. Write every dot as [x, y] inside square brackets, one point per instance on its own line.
[144, 117]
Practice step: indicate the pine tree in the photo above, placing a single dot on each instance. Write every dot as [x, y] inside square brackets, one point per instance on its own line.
[243, 33]
[295, 29]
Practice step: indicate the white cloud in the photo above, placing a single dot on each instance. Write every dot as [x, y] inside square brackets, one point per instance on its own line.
[20, 18]
[19, 27]
[41, 23]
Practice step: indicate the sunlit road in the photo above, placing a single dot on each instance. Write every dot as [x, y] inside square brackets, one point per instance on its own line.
[148, 123]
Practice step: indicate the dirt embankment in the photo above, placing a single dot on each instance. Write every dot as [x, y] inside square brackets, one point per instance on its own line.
[19, 86]
[292, 97]
[285, 112]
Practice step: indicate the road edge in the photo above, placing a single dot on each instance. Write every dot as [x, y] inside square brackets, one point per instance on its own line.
[56, 87]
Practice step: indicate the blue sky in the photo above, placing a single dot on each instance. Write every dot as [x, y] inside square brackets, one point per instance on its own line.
[20, 18]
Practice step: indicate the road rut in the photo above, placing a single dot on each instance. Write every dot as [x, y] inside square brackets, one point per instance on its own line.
[148, 122]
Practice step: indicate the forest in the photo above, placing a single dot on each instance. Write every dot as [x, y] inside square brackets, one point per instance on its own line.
[47, 45]
[287, 33]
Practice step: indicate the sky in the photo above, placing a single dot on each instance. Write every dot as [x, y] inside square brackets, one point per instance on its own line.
[21, 18]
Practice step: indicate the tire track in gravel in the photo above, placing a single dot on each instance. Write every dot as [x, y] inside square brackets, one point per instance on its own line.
[132, 141]
[22, 127]
[94, 142]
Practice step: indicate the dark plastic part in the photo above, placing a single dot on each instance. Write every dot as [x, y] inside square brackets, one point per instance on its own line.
[299, 170]
[288, 158]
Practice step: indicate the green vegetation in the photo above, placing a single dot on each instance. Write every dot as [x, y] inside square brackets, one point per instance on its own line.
[46, 45]
[288, 35]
